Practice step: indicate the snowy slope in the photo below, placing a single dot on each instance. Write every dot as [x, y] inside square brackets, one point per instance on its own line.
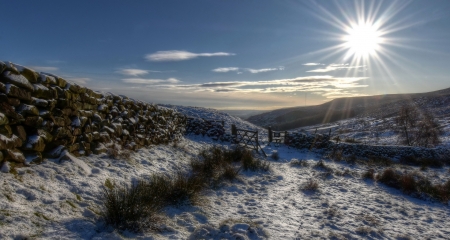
[60, 200]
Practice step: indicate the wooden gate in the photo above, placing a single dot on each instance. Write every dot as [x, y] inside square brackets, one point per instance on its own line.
[246, 138]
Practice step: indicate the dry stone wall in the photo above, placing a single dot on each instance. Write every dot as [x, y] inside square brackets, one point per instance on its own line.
[322, 143]
[212, 128]
[43, 115]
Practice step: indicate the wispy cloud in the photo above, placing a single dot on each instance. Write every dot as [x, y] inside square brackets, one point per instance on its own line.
[264, 70]
[334, 67]
[151, 81]
[44, 69]
[133, 72]
[78, 80]
[226, 69]
[312, 64]
[240, 70]
[177, 55]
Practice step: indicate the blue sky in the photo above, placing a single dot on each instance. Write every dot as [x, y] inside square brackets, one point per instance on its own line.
[234, 54]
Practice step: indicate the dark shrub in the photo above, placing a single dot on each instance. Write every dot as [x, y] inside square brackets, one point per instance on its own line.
[408, 183]
[253, 164]
[369, 174]
[389, 177]
[128, 207]
[299, 163]
[310, 185]
[183, 188]
[275, 156]
[230, 173]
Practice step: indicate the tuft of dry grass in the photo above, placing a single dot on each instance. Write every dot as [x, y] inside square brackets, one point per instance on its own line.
[369, 174]
[389, 177]
[275, 156]
[299, 163]
[310, 185]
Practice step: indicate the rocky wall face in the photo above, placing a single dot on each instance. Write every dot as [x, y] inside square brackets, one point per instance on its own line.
[214, 130]
[42, 115]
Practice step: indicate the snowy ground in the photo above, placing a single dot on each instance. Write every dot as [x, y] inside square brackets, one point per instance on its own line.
[371, 130]
[62, 200]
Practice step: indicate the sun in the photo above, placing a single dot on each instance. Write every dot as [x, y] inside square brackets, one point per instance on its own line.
[362, 40]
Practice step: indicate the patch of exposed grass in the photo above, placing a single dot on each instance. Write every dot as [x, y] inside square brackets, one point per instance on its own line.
[254, 164]
[78, 197]
[310, 185]
[71, 204]
[41, 215]
[369, 174]
[131, 208]
[117, 152]
[109, 184]
[364, 230]
[321, 164]
[9, 197]
[299, 163]
[184, 187]
[275, 156]
[230, 173]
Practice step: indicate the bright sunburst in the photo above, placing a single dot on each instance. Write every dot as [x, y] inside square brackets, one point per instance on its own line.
[363, 39]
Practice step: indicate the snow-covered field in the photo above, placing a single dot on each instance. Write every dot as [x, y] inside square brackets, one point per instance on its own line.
[62, 200]
[371, 130]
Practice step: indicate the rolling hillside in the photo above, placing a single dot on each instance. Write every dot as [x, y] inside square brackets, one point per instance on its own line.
[379, 106]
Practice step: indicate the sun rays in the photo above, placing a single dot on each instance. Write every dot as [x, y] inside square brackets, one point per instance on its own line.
[363, 40]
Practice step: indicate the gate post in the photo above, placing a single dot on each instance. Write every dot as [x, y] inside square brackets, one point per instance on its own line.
[270, 134]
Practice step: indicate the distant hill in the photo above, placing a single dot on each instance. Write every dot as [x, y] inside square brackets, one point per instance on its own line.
[379, 106]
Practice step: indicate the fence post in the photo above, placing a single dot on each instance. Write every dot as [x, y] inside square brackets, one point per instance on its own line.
[270, 134]
[233, 130]
[286, 140]
[223, 123]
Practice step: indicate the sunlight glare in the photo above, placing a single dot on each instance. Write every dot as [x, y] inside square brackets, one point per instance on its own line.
[363, 39]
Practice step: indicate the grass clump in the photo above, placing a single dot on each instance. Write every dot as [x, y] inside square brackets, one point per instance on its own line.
[109, 184]
[116, 152]
[184, 187]
[41, 215]
[321, 164]
[369, 174]
[389, 177]
[310, 185]
[299, 163]
[336, 155]
[253, 164]
[275, 156]
[130, 207]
